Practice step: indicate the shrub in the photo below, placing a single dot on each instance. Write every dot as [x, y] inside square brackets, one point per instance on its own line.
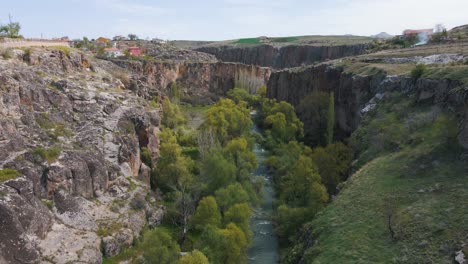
[65, 50]
[50, 155]
[138, 202]
[418, 71]
[6, 53]
[8, 174]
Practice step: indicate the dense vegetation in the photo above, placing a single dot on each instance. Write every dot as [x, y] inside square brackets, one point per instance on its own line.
[204, 176]
[401, 204]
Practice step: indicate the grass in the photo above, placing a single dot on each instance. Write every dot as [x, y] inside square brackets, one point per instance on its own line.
[49, 154]
[428, 214]
[109, 229]
[366, 69]
[8, 174]
[414, 176]
[458, 73]
[64, 49]
[248, 41]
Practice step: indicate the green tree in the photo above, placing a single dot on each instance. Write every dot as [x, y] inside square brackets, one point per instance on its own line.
[217, 172]
[195, 257]
[173, 170]
[280, 122]
[313, 110]
[418, 71]
[132, 37]
[212, 244]
[172, 116]
[11, 29]
[207, 213]
[333, 163]
[227, 120]
[232, 194]
[302, 186]
[237, 150]
[331, 118]
[160, 248]
[235, 245]
[240, 214]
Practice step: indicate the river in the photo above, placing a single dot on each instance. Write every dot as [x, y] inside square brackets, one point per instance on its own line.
[264, 247]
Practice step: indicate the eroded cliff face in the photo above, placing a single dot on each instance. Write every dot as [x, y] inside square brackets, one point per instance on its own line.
[355, 94]
[199, 82]
[73, 134]
[281, 57]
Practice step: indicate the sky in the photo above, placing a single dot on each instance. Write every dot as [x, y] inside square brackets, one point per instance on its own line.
[227, 19]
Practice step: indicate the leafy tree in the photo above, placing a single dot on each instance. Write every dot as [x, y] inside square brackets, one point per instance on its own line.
[195, 257]
[232, 194]
[280, 122]
[235, 244]
[333, 163]
[11, 29]
[207, 213]
[160, 248]
[239, 95]
[240, 214]
[418, 71]
[313, 110]
[132, 37]
[331, 118]
[217, 172]
[175, 93]
[212, 244]
[237, 150]
[228, 120]
[173, 169]
[302, 185]
[172, 116]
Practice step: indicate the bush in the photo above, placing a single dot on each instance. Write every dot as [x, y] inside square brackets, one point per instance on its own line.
[418, 71]
[50, 155]
[7, 174]
[138, 202]
[6, 53]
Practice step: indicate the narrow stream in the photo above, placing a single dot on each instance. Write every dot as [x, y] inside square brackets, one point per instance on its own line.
[264, 248]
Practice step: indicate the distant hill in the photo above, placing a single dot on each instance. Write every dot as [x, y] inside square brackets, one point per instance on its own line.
[382, 35]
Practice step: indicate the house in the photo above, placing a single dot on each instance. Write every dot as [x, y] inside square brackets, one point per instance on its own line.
[119, 38]
[134, 51]
[113, 52]
[427, 32]
[102, 40]
[157, 40]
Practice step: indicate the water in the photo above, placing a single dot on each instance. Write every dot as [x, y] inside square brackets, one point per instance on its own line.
[264, 248]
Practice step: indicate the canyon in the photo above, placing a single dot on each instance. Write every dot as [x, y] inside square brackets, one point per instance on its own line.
[74, 128]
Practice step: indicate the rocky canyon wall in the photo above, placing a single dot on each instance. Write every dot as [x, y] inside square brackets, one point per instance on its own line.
[203, 81]
[354, 94]
[70, 165]
[280, 57]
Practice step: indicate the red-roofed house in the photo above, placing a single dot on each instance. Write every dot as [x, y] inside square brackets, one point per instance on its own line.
[429, 31]
[134, 51]
[113, 52]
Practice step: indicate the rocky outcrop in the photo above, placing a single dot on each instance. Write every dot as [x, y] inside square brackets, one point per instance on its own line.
[73, 134]
[280, 57]
[354, 92]
[201, 82]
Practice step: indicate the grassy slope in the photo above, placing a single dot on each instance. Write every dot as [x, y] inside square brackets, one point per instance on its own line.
[423, 187]
[429, 225]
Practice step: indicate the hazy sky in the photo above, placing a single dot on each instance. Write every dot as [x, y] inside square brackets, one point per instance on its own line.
[228, 19]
